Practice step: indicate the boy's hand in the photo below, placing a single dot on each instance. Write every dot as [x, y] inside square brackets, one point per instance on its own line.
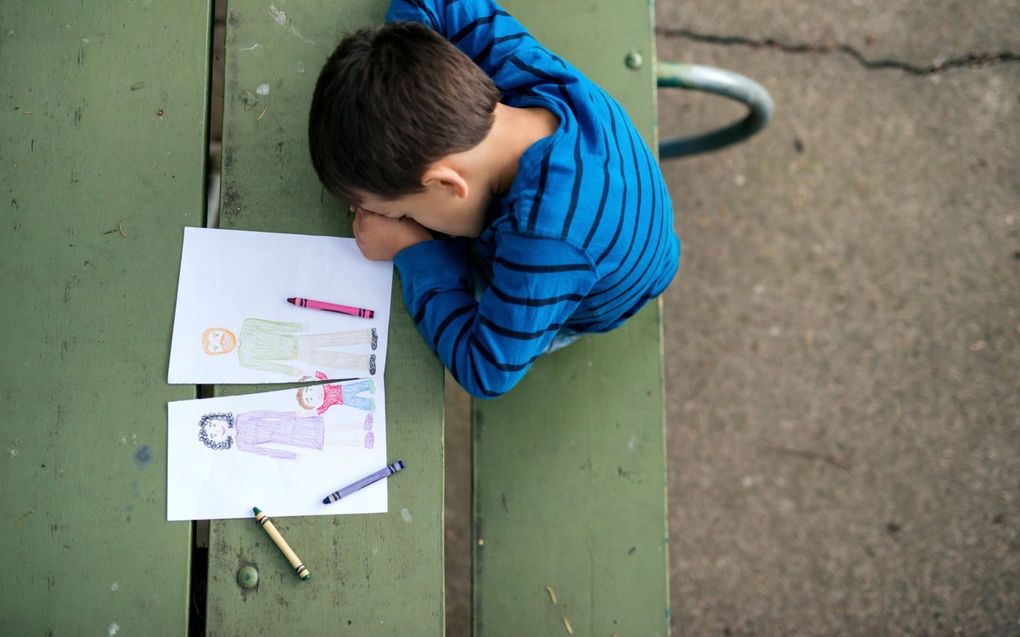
[381, 238]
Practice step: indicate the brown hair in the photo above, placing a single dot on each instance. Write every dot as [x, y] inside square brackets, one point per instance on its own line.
[389, 102]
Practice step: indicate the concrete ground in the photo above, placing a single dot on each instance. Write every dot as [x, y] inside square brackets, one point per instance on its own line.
[843, 340]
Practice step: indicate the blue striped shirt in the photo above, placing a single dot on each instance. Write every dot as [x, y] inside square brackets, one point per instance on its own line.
[582, 239]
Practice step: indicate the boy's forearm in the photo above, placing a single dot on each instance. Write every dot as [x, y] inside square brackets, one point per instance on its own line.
[482, 29]
[381, 238]
[438, 289]
[489, 345]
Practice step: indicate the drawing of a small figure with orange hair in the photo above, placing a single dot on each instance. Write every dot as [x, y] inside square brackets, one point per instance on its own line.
[323, 396]
[276, 346]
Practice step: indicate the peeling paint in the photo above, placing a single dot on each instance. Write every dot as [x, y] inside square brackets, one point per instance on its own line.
[143, 456]
[279, 16]
[281, 19]
[249, 100]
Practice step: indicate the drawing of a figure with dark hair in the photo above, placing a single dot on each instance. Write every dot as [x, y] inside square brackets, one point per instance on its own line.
[263, 432]
[275, 346]
[321, 397]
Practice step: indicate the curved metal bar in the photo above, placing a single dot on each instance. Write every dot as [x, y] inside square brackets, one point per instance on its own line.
[719, 82]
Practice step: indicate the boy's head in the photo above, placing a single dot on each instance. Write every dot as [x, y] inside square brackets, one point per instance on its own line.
[389, 103]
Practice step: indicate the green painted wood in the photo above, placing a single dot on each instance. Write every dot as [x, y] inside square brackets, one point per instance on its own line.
[569, 467]
[102, 128]
[374, 574]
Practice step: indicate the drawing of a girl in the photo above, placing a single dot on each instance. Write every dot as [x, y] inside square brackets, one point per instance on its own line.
[254, 431]
[322, 397]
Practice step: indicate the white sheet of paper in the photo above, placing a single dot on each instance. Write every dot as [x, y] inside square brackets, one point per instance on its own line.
[205, 483]
[237, 283]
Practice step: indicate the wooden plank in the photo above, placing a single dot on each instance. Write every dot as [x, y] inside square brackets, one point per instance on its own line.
[371, 574]
[102, 161]
[569, 467]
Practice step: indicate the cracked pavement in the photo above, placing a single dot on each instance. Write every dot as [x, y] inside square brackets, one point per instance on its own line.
[937, 65]
[843, 341]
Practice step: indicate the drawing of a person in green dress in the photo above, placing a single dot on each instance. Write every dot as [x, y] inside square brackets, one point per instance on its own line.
[276, 346]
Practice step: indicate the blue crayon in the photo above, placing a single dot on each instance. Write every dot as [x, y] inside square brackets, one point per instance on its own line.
[364, 482]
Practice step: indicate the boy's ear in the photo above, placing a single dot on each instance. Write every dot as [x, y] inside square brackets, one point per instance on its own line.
[447, 178]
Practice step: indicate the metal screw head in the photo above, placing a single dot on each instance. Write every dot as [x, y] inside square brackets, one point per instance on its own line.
[633, 60]
[248, 577]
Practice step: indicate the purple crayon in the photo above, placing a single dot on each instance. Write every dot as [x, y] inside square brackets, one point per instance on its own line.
[364, 482]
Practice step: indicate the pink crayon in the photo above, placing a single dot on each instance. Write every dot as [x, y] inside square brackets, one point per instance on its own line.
[331, 307]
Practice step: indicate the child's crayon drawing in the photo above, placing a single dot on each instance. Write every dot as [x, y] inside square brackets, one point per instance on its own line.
[284, 449]
[278, 347]
[273, 433]
[321, 397]
[276, 448]
[234, 322]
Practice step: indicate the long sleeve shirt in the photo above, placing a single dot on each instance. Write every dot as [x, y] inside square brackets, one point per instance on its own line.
[263, 344]
[256, 430]
[583, 237]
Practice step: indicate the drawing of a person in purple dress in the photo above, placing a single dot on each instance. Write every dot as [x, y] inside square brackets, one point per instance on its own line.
[264, 432]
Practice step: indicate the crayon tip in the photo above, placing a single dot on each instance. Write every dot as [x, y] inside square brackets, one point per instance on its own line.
[256, 510]
[325, 500]
[306, 576]
[291, 300]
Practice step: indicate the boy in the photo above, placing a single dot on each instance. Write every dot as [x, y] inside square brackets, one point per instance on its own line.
[451, 129]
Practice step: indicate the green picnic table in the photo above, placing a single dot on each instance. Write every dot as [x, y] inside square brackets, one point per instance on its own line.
[104, 119]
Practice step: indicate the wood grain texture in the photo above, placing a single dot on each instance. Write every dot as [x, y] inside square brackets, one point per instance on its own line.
[371, 574]
[569, 467]
[102, 162]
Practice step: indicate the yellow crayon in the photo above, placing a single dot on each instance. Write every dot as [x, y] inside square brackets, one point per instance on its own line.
[288, 552]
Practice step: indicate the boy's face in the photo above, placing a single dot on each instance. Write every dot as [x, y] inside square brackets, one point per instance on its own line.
[435, 209]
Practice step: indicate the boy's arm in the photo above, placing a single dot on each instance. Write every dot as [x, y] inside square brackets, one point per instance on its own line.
[488, 345]
[482, 30]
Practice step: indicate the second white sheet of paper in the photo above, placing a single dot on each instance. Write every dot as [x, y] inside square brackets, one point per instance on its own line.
[282, 451]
